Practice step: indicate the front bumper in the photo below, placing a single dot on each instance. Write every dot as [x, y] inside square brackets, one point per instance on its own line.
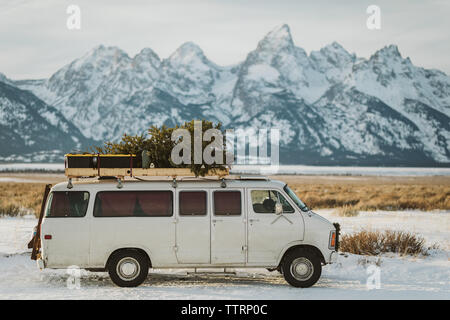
[333, 257]
[40, 263]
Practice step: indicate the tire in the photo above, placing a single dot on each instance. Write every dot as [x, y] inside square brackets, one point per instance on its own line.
[128, 268]
[301, 268]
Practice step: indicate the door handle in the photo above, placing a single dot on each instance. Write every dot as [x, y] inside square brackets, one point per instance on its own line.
[253, 220]
[216, 220]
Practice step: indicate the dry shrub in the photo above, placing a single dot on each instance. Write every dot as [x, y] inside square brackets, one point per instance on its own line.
[375, 242]
[346, 211]
[11, 210]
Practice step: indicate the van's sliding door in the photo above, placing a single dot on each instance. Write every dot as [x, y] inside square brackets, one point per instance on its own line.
[133, 219]
[193, 227]
[228, 240]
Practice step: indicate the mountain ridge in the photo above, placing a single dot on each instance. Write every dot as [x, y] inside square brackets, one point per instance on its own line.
[29, 127]
[331, 106]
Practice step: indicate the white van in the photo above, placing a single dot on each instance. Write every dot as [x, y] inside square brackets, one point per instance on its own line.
[198, 223]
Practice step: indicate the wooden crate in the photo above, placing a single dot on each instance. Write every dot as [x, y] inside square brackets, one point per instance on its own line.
[95, 169]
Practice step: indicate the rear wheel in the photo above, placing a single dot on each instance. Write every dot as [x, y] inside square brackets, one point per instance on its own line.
[128, 268]
[301, 268]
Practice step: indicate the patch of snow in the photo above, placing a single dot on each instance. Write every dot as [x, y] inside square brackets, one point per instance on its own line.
[23, 167]
[263, 72]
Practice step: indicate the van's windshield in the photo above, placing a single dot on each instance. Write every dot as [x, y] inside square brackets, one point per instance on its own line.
[296, 199]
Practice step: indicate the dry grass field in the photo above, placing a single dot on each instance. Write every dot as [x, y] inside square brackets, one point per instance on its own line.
[20, 198]
[24, 196]
[372, 193]
[346, 193]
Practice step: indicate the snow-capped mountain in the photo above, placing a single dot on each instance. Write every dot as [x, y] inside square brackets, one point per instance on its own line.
[332, 107]
[276, 65]
[32, 130]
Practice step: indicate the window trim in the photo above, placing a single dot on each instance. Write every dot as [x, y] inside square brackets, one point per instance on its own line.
[192, 215]
[155, 216]
[271, 189]
[214, 204]
[48, 204]
[293, 201]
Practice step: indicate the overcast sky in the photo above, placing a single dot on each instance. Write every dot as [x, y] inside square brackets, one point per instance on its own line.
[35, 42]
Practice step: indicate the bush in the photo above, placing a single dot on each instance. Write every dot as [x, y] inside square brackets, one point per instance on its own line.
[375, 242]
[346, 211]
[11, 210]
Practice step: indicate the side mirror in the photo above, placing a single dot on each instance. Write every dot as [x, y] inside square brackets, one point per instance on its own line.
[278, 208]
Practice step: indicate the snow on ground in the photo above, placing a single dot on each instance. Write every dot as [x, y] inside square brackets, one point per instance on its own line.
[401, 277]
[282, 169]
[340, 170]
[25, 167]
[32, 177]
[15, 179]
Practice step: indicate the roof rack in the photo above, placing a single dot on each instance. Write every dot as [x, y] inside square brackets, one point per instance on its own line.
[122, 165]
[250, 177]
[119, 166]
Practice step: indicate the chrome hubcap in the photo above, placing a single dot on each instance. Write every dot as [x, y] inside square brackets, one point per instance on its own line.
[128, 269]
[302, 269]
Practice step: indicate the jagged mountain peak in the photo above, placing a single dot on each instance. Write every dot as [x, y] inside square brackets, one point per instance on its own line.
[332, 56]
[188, 47]
[101, 58]
[336, 48]
[147, 52]
[187, 53]
[279, 38]
[101, 55]
[148, 58]
[385, 64]
[5, 79]
[335, 45]
[282, 32]
[387, 52]
[278, 62]
[188, 74]
[106, 50]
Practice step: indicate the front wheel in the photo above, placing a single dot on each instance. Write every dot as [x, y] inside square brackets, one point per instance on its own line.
[128, 268]
[301, 268]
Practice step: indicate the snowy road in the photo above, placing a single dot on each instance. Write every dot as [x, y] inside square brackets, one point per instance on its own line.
[401, 278]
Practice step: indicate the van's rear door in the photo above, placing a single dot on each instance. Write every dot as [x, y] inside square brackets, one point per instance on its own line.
[65, 229]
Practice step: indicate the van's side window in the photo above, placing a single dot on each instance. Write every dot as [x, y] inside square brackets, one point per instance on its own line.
[227, 203]
[264, 201]
[67, 204]
[133, 204]
[192, 203]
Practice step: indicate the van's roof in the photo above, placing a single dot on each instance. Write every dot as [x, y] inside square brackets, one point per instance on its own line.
[151, 183]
